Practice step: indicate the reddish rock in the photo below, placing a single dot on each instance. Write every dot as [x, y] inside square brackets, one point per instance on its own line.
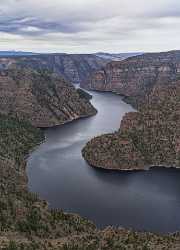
[136, 76]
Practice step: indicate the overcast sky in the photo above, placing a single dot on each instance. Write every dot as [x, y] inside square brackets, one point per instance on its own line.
[85, 26]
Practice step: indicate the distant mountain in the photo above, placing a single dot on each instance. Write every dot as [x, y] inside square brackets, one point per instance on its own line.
[16, 53]
[117, 56]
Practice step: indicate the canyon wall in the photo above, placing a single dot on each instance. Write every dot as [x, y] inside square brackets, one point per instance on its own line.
[136, 76]
[74, 68]
[41, 98]
[151, 136]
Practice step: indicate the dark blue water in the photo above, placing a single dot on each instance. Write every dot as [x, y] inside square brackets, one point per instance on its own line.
[140, 200]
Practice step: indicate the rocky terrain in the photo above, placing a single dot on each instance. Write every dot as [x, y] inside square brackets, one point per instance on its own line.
[42, 98]
[136, 76]
[151, 136]
[26, 222]
[74, 68]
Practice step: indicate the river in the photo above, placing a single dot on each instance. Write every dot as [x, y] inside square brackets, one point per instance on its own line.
[147, 200]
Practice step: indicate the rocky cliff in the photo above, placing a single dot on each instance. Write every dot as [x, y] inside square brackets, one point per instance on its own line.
[74, 68]
[150, 137]
[42, 98]
[136, 76]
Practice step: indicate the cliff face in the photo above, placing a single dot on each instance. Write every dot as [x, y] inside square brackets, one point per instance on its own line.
[73, 68]
[136, 76]
[150, 137]
[41, 98]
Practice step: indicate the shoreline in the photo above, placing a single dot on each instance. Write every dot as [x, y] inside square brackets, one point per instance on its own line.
[146, 168]
[126, 126]
[71, 120]
[120, 227]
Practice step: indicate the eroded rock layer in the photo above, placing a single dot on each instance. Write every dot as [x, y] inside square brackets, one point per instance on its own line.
[136, 76]
[74, 68]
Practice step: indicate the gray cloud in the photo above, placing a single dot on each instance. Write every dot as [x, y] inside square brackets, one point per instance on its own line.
[89, 25]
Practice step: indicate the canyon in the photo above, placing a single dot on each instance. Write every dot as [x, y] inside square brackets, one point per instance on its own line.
[145, 139]
[28, 223]
[31, 96]
[149, 137]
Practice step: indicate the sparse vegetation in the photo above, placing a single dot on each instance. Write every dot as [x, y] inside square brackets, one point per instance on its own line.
[150, 137]
[40, 97]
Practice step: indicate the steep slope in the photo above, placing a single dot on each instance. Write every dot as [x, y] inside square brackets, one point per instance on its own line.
[136, 76]
[41, 98]
[27, 223]
[74, 68]
[150, 137]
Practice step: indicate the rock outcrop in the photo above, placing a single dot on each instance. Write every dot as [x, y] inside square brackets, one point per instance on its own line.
[74, 68]
[136, 76]
[150, 137]
[42, 98]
